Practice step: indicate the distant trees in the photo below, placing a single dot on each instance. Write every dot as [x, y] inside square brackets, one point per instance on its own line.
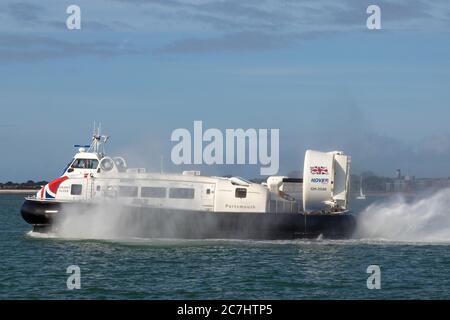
[30, 184]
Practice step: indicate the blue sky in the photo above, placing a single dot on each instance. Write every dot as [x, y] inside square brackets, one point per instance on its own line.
[144, 68]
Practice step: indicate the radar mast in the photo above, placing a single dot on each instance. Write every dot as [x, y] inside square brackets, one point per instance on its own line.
[98, 141]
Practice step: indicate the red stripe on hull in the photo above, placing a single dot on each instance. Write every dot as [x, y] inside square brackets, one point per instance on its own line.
[54, 184]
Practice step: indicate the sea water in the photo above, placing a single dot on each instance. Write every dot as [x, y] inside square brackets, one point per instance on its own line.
[409, 238]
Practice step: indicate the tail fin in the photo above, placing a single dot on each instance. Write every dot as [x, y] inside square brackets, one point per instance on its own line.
[326, 181]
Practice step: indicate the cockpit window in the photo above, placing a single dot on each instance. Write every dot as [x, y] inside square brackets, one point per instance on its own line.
[85, 164]
[68, 166]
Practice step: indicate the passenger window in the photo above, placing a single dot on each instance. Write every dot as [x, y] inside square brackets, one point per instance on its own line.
[181, 193]
[241, 193]
[76, 189]
[128, 191]
[153, 192]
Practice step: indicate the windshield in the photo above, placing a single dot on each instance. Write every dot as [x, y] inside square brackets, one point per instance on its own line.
[245, 180]
[85, 164]
[68, 165]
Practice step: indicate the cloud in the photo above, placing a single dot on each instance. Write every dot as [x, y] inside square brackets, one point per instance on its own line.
[436, 145]
[267, 24]
[25, 12]
[382, 154]
[200, 26]
[236, 41]
[239, 41]
[287, 16]
[292, 15]
[32, 48]
[349, 128]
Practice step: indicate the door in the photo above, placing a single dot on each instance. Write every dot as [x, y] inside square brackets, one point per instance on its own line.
[208, 193]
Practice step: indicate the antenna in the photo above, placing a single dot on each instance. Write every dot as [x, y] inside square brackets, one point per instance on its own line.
[98, 140]
[162, 163]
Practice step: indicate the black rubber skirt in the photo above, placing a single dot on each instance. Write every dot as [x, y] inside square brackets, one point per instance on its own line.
[139, 221]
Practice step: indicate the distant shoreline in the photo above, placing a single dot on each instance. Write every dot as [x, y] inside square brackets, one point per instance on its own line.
[18, 191]
[374, 193]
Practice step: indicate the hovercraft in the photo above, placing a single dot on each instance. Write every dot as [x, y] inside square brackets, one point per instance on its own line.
[189, 205]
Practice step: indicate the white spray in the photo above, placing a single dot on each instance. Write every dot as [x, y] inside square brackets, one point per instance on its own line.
[116, 219]
[424, 219]
[99, 222]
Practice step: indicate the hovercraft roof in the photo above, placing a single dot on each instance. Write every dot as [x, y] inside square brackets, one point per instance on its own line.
[87, 155]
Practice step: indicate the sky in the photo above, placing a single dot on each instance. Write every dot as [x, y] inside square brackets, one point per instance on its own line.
[144, 68]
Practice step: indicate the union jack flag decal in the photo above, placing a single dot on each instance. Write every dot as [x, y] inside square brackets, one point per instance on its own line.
[319, 170]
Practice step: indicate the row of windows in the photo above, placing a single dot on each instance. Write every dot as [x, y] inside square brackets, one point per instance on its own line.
[146, 192]
[157, 192]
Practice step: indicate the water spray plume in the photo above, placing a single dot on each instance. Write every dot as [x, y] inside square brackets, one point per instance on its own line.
[424, 219]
